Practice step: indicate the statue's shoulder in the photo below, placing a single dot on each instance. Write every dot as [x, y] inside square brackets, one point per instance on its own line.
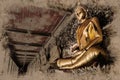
[94, 19]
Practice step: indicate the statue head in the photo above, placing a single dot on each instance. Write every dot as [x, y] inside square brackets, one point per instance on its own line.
[80, 13]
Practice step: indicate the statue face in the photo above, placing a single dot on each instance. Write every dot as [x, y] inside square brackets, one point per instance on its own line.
[79, 14]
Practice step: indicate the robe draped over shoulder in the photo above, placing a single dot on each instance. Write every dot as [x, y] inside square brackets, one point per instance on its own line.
[86, 32]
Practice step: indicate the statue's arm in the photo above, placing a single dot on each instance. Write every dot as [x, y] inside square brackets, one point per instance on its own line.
[94, 41]
[96, 31]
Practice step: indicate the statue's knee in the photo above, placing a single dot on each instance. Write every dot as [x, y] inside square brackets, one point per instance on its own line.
[58, 63]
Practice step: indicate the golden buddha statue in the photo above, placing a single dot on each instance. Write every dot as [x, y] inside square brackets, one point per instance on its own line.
[86, 50]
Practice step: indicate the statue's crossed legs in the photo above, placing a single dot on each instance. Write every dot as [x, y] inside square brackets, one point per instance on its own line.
[83, 58]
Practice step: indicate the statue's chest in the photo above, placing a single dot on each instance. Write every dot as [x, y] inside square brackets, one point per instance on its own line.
[82, 30]
[84, 35]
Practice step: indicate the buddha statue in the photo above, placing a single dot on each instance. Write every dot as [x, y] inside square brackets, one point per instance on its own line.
[86, 51]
